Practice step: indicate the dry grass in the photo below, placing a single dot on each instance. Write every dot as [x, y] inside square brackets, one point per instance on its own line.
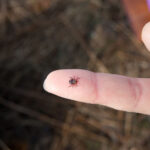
[39, 36]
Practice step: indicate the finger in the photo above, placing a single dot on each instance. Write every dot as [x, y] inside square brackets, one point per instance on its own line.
[146, 35]
[119, 92]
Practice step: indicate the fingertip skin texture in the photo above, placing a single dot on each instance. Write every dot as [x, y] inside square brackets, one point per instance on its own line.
[115, 91]
[57, 83]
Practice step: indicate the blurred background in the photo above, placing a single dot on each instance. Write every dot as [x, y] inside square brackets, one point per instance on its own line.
[39, 36]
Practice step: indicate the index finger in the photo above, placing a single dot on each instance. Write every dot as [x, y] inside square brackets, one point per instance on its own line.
[118, 92]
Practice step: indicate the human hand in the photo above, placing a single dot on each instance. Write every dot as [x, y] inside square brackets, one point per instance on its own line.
[118, 92]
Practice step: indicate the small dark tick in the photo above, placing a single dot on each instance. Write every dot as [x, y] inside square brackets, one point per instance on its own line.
[73, 81]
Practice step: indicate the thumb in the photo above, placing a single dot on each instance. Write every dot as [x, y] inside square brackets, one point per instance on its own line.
[146, 35]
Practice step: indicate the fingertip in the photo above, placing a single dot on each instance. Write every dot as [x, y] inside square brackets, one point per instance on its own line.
[45, 84]
[57, 82]
[48, 84]
[146, 35]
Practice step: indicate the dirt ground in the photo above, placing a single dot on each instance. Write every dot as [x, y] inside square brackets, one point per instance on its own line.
[37, 37]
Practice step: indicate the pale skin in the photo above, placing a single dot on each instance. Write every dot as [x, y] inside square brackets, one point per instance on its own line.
[115, 91]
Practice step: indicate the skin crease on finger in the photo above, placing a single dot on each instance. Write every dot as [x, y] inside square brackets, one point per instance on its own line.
[119, 92]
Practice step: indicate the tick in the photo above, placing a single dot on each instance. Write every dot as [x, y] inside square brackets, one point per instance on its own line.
[73, 81]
